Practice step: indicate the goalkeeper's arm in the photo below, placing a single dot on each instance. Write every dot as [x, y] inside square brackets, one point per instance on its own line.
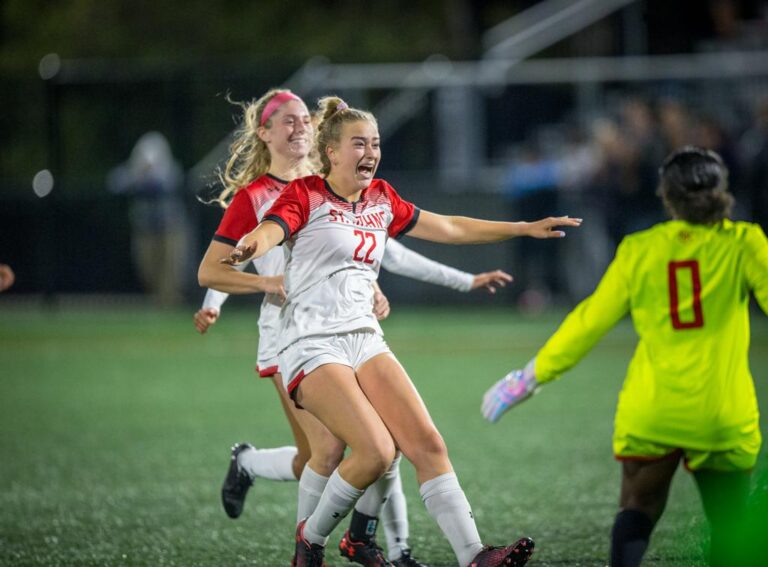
[514, 388]
[575, 337]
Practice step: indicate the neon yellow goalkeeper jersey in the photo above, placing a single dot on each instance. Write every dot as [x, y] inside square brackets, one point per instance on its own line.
[687, 288]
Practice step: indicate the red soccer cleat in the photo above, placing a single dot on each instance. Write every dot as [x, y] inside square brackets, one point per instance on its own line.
[307, 554]
[514, 555]
[365, 553]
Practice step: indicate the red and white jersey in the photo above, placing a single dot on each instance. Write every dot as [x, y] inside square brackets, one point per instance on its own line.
[335, 250]
[243, 214]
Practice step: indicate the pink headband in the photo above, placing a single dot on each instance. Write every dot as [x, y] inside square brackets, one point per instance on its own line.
[276, 102]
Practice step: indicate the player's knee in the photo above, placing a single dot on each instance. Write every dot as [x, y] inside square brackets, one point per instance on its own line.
[378, 457]
[426, 449]
[650, 505]
[433, 445]
[327, 456]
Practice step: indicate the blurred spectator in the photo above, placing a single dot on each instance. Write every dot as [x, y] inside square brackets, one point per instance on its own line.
[754, 156]
[638, 200]
[153, 180]
[7, 277]
[531, 188]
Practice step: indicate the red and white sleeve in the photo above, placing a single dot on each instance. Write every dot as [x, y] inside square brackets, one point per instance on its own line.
[291, 209]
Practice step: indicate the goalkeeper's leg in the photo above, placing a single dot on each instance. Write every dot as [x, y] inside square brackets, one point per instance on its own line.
[724, 496]
[644, 492]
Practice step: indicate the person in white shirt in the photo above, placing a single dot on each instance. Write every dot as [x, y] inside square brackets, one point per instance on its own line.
[333, 358]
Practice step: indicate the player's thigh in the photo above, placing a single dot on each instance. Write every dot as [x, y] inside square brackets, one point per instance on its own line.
[387, 385]
[291, 413]
[332, 394]
[645, 483]
[325, 448]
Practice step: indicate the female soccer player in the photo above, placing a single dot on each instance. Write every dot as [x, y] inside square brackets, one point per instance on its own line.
[273, 146]
[688, 393]
[334, 360]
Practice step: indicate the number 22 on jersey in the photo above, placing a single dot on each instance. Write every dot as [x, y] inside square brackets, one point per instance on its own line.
[365, 247]
[678, 274]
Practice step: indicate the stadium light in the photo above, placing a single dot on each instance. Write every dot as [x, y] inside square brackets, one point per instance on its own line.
[49, 66]
[42, 183]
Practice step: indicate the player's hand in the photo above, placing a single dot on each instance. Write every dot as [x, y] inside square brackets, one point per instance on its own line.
[491, 280]
[7, 277]
[548, 228]
[204, 318]
[514, 388]
[380, 305]
[239, 254]
[274, 286]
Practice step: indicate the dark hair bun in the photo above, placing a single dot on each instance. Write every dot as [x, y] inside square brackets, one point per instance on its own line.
[695, 169]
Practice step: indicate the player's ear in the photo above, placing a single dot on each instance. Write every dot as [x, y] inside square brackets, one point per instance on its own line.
[330, 152]
[263, 134]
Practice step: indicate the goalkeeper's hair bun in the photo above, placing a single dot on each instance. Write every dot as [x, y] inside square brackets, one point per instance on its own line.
[695, 169]
[694, 185]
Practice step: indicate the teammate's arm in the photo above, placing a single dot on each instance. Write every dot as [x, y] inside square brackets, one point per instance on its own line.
[405, 262]
[381, 307]
[465, 230]
[209, 313]
[227, 278]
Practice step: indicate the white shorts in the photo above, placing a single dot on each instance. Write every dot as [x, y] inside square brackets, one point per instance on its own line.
[266, 368]
[269, 331]
[350, 349]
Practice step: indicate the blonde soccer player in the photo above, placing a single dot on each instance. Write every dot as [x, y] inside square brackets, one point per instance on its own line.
[271, 148]
[689, 395]
[334, 360]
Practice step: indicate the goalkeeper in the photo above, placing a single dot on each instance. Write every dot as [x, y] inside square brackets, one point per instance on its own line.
[688, 394]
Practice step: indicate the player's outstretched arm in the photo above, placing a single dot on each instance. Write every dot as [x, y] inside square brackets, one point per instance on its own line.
[255, 244]
[214, 274]
[514, 388]
[465, 230]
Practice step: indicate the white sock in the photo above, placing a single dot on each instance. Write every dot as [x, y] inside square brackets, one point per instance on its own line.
[272, 464]
[394, 519]
[375, 496]
[311, 486]
[338, 499]
[447, 504]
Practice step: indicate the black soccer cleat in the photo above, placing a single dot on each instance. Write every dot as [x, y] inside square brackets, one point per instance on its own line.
[407, 560]
[515, 555]
[365, 553]
[307, 554]
[236, 483]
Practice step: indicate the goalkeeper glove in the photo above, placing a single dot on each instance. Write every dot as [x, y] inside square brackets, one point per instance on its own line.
[515, 387]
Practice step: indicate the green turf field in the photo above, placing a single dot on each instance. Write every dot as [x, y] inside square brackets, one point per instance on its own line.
[115, 431]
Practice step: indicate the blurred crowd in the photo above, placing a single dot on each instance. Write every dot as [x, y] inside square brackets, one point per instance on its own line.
[606, 171]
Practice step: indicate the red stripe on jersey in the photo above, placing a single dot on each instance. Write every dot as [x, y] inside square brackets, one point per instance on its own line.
[242, 214]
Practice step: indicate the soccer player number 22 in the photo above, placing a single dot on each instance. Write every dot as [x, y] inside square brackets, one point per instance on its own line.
[363, 254]
[692, 268]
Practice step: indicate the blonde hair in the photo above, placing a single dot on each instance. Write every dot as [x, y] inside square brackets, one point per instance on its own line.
[333, 113]
[249, 156]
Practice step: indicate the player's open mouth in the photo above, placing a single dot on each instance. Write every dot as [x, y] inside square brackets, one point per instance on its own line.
[365, 170]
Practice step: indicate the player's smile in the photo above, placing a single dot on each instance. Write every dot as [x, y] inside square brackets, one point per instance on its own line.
[366, 168]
